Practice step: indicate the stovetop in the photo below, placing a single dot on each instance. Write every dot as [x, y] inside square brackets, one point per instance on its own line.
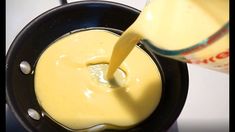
[207, 104]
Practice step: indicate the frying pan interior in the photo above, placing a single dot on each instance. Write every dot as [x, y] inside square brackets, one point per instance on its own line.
[51, 25]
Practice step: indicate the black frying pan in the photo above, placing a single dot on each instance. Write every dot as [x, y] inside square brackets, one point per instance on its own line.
[49, 26]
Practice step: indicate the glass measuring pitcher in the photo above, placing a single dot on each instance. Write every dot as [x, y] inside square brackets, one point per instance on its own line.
[191, 31]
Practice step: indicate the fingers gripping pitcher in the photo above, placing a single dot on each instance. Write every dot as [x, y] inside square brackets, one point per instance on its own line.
[192, 31]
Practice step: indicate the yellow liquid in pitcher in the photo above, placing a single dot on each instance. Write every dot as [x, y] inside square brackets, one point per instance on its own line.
[178, 24]
[70, 82]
